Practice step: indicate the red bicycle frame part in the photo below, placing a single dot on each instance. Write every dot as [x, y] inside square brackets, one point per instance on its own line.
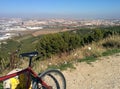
[30, 72]
[36, 76]
[12, 75]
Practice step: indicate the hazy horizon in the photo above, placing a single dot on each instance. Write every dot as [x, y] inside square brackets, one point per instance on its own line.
[81, 9]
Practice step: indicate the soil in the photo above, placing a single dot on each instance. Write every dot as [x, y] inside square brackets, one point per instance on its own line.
[102, 74]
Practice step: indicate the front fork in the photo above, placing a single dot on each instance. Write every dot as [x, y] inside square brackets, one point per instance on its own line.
[43, 86]
[40, 84]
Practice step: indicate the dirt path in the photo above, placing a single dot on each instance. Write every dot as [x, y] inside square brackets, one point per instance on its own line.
[102, 74]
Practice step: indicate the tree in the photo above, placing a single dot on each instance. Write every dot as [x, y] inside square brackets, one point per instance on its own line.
[97, 35]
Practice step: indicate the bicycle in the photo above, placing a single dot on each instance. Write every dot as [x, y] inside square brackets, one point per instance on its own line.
[45, 80]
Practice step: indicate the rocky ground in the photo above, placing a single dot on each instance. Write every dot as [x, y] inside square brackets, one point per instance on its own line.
[102, 74]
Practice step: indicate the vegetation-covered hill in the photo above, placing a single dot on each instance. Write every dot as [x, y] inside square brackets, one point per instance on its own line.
[56, 44]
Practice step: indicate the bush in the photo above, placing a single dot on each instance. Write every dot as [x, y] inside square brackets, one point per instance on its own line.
[72, 40]
[51, 44]
[111, 44]
[65, 42]
[97, 35]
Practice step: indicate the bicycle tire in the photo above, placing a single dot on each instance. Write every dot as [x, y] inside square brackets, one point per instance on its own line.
[57, 78]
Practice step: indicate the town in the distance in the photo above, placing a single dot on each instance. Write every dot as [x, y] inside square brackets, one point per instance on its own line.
[10, 27]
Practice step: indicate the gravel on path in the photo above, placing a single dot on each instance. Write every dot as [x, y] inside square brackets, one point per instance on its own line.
[102, 74]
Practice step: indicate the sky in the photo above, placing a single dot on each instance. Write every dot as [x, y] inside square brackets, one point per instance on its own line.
[60, 8]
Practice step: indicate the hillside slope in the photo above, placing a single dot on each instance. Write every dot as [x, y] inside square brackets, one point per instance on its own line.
[102, 74]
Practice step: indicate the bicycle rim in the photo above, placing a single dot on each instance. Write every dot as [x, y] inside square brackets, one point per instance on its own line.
[52, 78]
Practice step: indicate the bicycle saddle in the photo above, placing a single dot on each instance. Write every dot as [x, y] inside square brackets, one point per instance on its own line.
[30, 54]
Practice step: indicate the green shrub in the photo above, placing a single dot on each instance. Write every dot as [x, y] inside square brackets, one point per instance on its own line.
[51, 44]
[58, 43]
[67, 41]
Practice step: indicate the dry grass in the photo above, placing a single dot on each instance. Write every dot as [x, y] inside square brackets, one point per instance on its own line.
[112, 38]
[65, 58]
[94, 49]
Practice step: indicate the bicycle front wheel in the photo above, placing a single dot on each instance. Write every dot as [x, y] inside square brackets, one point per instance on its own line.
[53, 78]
